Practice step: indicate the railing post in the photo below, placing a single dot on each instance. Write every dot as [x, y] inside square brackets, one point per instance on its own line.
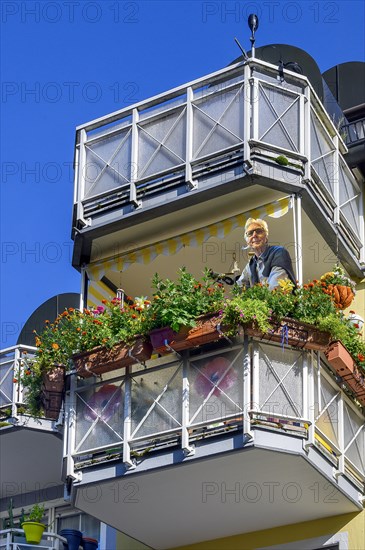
[246, 112]
[309, 412]
[81, 177]
[189, 139]
[336, 186]
[306, 106]
[341, 438]
[255, 108]
[134, 159]
[17, 393]
[185, 444]
[246, 380]
[297, 213]
[128, 462]
[71, 431]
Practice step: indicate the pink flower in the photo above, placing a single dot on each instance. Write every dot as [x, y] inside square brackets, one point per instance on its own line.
[217, 372]
[104, 403]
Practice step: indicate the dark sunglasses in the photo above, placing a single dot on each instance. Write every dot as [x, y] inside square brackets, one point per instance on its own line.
[258, 231]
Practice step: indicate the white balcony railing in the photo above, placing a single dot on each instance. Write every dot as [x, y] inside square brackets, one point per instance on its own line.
[207, 125]
[13, 362]
[14, 539]
[177, 401]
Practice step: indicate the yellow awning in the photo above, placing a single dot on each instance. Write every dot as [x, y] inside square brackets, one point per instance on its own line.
[194, 238]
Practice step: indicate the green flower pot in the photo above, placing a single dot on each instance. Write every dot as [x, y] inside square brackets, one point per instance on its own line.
[33, 531]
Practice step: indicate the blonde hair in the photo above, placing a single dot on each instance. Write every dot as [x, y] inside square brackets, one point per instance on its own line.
[259, 222]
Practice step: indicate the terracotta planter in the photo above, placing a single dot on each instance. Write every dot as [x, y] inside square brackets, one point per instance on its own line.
[102, 359]
[204, 333]
[344, 365]
[294, 333]
[53, 384]
[340, 359]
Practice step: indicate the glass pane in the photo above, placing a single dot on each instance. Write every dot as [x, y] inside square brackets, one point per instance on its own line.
[216, 386]
[99, 417]
[156, 401]
[281, 380]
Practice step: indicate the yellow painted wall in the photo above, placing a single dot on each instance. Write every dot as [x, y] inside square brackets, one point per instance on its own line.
[354, 524]
[358, 303]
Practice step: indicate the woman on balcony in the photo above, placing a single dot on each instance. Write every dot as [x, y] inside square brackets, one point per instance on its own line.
[268, 263]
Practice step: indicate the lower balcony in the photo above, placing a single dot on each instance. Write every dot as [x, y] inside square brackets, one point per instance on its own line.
[227, 438]
[25, 467]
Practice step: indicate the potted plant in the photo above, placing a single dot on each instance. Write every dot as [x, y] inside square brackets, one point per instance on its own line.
[32, 525]
[181, 312]
[125, 326]
[339, 286]
[97, 339]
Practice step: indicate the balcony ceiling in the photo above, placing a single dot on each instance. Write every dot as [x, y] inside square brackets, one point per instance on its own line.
[233, 493]
[30, 460]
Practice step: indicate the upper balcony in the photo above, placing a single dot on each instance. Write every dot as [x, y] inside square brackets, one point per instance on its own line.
[213, 142]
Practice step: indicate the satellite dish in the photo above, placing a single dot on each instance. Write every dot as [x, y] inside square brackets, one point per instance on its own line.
[48, 310]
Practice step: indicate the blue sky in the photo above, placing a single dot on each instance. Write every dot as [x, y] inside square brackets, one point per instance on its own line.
[66, 62]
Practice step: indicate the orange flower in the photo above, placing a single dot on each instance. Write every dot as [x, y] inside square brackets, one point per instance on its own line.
[55, 346]
[71, 309]
[78, 329]
[15, 380]
[104, 301]
[46, 321]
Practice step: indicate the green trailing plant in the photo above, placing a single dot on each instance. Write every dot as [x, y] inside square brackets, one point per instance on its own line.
[343, 330]
[243, 310]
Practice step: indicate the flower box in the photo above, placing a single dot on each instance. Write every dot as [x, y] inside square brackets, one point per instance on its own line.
[340, 359]
[102, 359]
[53, 384]
[204, 332]
[344, 365]
[294, 333]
